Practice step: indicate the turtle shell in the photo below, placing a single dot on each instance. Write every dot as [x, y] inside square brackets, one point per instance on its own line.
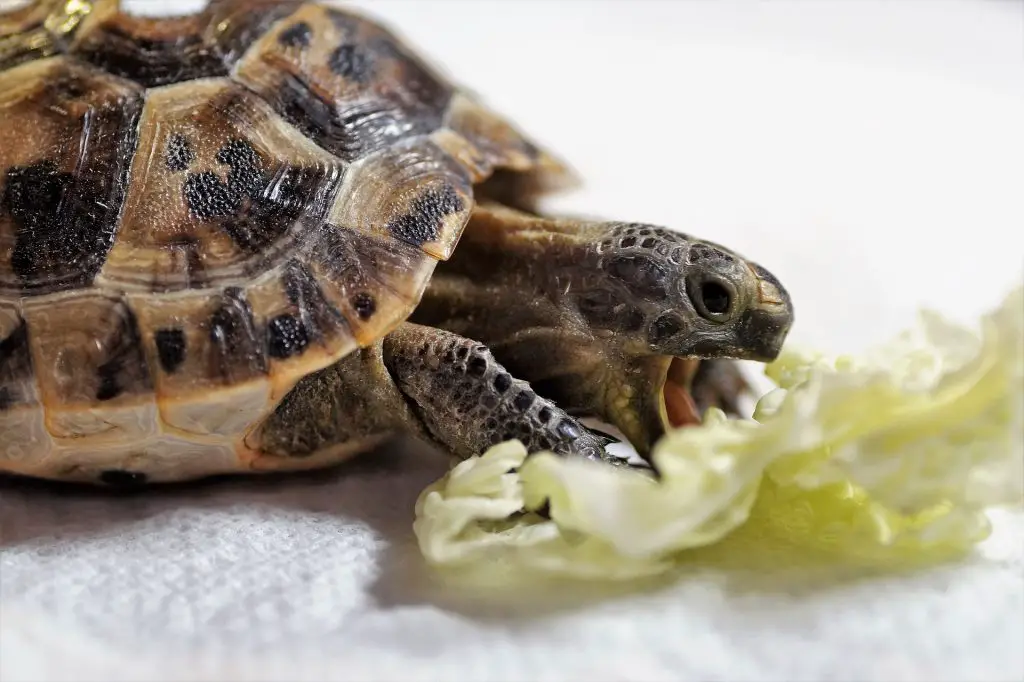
[197, 211]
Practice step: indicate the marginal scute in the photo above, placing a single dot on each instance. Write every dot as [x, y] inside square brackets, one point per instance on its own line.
[66, 145]
[373, 281]
[345, 82]
[16, 385]
[208, 360]
[495, 151]
[498, 143]
[161, 51]
[93, 376]
[222, 190]
[414, 192]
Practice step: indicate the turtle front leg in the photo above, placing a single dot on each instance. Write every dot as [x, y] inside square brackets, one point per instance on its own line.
[469, 402]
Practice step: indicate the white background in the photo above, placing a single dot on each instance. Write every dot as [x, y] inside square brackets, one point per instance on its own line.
[870, 154]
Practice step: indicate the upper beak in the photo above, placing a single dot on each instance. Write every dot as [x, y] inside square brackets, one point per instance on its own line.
[763, 328]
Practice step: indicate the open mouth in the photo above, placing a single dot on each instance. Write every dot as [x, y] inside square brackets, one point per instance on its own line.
[680, 409]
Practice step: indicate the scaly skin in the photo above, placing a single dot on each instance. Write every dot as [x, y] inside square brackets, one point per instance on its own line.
[534, 320]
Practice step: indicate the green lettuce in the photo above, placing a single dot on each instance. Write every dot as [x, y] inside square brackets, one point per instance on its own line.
[891, 459]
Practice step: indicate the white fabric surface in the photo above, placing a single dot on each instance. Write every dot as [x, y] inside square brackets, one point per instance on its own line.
[870, 154]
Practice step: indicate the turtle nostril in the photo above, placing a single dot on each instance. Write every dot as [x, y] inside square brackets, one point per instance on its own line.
[715, 298]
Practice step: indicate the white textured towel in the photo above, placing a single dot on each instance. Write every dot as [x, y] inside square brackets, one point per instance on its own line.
[870, 154]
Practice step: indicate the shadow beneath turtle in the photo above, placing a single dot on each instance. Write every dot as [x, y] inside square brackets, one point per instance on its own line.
[376, 492]
[374, 495]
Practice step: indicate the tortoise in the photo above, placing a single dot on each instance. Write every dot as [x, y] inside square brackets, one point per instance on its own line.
[228, 245]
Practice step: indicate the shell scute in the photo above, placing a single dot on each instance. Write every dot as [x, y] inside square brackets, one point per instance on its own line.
[92, 374]
[161, 51]
[413, 192]
[17, 388]
[207, 358]
[344, 81]
[372, 281]
[222, 191]
[65, 149]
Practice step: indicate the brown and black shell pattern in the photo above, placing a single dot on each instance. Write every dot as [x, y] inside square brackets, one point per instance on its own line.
[197, 211]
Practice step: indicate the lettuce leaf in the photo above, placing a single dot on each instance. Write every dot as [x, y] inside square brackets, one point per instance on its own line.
[891, 459]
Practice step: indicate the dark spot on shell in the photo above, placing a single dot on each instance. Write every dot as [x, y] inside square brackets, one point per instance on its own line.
[286, 337]
[423, 222]
[628, 242]
[33, 197]
[233, 333]
[477, 366]
[296, 35]
[544, 415]
[462, 353]
[170, 348]
[253, 209]
[648, 243]
[119, 478]
[202, 50]
[524, 400]
[363, 126]
[208, 197]
[15, 365]
[246, 175]
[352, 63]
[502, 382]
[64, 223]
[125, 367]
[364, 305]
[178, 154]
[110, 385]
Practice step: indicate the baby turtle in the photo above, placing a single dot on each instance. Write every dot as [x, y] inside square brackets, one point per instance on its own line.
[227, 244]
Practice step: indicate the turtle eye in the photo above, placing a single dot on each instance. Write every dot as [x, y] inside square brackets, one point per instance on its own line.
[715, 297]
[712, 298]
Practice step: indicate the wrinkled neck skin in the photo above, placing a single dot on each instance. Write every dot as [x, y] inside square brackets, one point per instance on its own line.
[533, 290]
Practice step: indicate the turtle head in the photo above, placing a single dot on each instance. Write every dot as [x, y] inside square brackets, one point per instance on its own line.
[663, 293]
[607, 318]
[655, 302]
